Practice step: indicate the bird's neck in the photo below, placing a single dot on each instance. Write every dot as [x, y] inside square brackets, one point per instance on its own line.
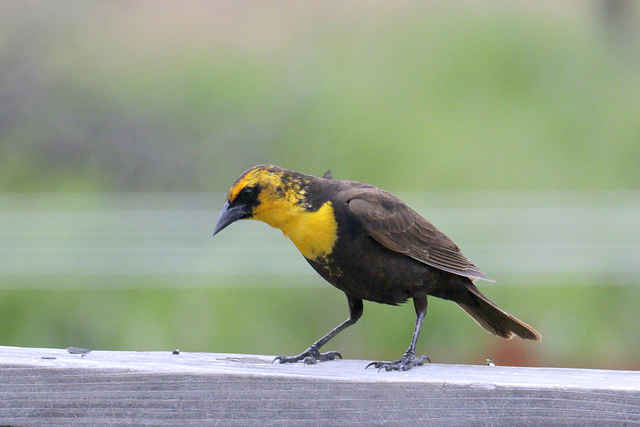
[313, 232]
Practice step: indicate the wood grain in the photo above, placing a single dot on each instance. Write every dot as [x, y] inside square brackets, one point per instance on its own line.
[53, 387]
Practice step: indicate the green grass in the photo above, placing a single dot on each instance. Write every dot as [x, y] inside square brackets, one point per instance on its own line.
[285, 321]
[509, 101]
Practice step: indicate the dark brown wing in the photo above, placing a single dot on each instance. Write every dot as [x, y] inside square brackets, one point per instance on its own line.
[399, 228]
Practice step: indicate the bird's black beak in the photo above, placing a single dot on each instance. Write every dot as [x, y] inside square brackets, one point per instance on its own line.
[230, 214]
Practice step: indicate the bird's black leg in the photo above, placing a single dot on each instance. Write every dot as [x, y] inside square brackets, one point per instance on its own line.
[409, 360]
[312, 355]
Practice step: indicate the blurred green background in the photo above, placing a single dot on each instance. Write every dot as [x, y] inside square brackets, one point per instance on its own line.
[513, 126]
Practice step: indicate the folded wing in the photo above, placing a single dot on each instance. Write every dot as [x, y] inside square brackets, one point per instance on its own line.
[399, 228]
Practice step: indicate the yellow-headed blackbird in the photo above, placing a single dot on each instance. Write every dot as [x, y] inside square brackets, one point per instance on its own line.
[369, 244]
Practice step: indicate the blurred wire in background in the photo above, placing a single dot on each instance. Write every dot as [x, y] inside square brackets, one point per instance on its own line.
[526, 235]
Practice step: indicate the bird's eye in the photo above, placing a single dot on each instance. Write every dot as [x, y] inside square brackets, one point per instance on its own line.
[248, 194]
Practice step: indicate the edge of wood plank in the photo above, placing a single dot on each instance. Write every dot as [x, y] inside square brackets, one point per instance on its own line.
[162, 362]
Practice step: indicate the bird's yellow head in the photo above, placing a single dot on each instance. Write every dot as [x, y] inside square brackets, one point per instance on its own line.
[286, 200]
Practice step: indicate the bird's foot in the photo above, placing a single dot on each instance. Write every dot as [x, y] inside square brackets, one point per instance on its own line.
[407, 362]
[310, 356]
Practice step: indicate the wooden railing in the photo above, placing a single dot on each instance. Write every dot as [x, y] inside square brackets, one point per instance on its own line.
[55, 387]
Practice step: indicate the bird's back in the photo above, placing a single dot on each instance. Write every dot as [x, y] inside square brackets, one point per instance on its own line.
[361, 265]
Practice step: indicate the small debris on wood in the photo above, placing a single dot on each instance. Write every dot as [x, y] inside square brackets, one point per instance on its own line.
[78, 350]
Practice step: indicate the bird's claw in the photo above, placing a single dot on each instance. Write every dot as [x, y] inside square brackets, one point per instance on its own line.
[310, 356]
[404, 364]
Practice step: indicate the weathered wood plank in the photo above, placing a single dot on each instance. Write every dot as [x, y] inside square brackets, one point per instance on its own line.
[53, 387]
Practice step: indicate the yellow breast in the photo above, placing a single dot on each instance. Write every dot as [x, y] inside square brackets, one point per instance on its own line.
[313, 233]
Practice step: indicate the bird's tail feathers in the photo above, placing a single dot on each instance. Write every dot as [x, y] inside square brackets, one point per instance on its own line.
[495, 320]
